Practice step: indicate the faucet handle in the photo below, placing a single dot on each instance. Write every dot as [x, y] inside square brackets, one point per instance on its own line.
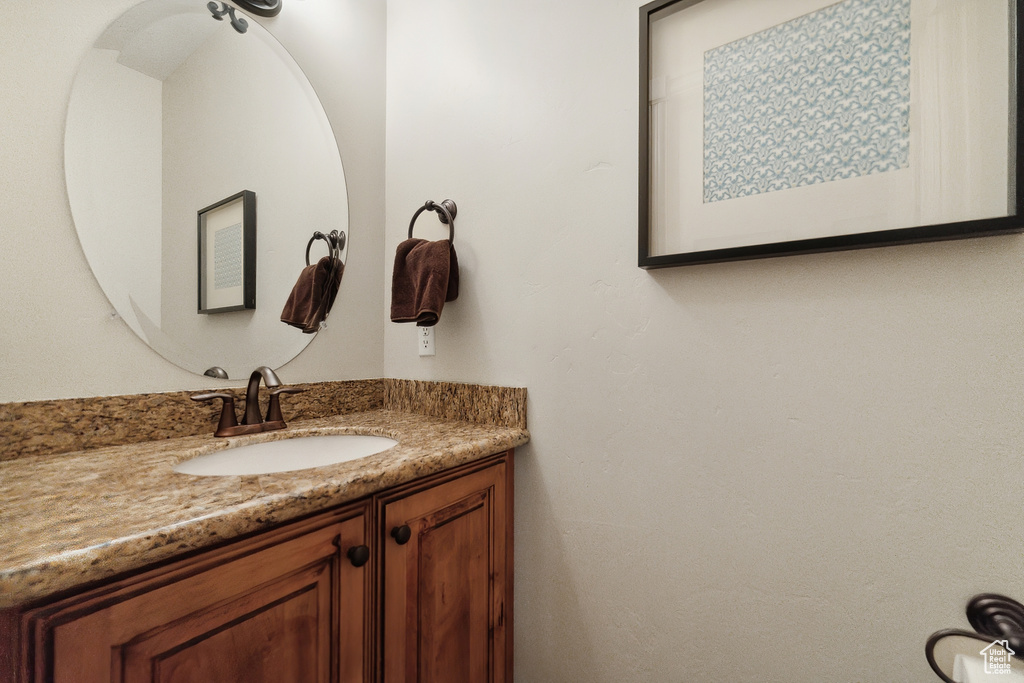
[227, 411]
[274, 409]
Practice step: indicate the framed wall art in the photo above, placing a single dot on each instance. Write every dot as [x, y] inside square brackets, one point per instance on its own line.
[227, 254]
[800, 126]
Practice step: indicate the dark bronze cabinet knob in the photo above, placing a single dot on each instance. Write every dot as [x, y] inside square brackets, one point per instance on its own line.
[401, 534]
[358, 555]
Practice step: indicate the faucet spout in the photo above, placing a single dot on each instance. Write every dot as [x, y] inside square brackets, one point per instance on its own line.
[253, 422]
[252, 393]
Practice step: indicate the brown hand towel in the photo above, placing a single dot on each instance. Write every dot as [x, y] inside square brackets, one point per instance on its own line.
[426, 275]
[313, 294]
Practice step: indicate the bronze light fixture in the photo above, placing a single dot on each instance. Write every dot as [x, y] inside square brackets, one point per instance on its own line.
[263, 8]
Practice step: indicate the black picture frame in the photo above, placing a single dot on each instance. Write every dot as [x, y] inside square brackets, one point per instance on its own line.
[974, 227]
[226, 276]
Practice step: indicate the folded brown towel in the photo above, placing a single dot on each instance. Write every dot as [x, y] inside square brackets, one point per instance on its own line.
[426, 276]
[313, 294]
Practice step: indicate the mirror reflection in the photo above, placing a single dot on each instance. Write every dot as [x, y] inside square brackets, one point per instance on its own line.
[171, 112]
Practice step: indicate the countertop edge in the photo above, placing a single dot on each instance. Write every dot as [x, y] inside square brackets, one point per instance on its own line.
[426, 446]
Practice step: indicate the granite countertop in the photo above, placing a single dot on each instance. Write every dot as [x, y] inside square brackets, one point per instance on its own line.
[72, 519]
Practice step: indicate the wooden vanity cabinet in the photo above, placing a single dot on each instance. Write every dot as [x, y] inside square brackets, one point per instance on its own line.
[447, 578]
[290, 605]
[287, 606]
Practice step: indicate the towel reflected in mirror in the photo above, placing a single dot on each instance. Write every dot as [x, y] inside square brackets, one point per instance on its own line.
[313, 295]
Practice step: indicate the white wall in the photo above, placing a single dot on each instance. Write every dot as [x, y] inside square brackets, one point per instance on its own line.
[793, 469]
[112, 159]
[59, 334]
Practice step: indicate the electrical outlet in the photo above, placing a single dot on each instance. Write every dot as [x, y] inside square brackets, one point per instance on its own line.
[425, 341]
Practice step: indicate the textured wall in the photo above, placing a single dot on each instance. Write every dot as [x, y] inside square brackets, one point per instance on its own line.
[59, 336]
[784, 470]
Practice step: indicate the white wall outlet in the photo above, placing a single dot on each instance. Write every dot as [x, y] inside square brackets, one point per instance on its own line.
[425, 340]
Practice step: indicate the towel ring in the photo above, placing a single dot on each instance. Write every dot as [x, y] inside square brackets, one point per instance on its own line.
[446, 212]
[993, 618]
[335, 242]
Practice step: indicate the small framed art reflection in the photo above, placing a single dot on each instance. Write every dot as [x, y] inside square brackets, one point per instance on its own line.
[798, 126]
[227, 254]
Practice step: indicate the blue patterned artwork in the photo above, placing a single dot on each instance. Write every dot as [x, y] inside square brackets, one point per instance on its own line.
[227, 257]
[821, 98]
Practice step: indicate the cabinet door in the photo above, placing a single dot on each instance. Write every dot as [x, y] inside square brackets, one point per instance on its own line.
[285, 607]
[447, 580]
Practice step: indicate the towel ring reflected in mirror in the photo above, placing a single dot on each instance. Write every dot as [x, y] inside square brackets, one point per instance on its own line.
[335, 243]
[446, 212]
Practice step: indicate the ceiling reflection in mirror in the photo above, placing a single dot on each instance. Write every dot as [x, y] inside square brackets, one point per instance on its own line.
[172, 111]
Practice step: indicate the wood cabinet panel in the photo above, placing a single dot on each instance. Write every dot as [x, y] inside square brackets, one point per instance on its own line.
[277, 633]
[447, 589]
[290, 606]
[283, 609]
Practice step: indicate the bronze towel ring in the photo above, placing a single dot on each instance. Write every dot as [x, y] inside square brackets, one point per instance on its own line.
[446, 212]
[335, 242]
[996, 619]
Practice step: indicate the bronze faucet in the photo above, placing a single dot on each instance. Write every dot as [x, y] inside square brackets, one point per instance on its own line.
[252, 422]
[252, 393]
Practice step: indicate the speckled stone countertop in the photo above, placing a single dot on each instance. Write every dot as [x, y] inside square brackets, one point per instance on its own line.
[72, 519]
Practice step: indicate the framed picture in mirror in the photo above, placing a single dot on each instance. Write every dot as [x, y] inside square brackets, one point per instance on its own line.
[802, 126]
[227, 254]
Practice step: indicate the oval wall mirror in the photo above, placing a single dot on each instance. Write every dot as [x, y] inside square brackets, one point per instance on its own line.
[172, 112]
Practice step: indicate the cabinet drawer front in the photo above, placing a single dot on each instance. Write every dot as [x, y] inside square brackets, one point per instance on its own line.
[445, 588]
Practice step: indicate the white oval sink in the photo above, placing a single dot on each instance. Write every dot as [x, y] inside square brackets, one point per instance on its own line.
[286, 455]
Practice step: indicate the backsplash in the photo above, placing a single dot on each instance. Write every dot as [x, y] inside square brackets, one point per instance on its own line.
[67, 425]
[505, 406]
